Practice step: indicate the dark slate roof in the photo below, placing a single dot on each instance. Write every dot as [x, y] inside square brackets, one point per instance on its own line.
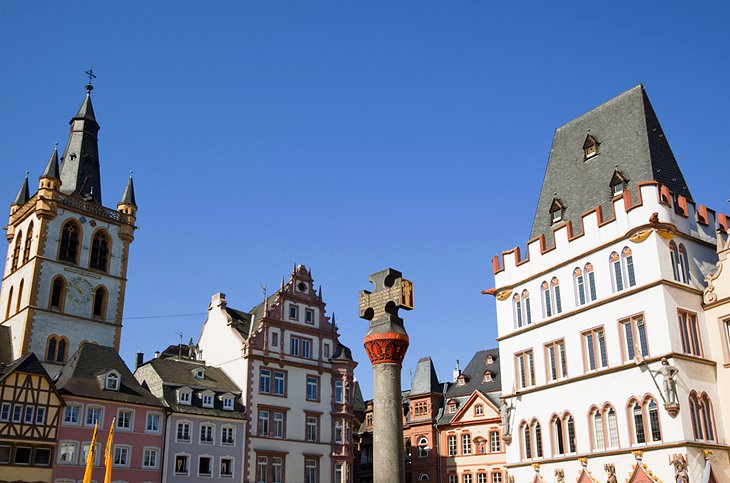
[80, 171]
[80, 377]
[358, 403]
[52, 170]
[630, 139]
[241, 321]
[23, 194]
[128, 195]
[28, 363]
[179, 373]
[425, 380]
[342, 353]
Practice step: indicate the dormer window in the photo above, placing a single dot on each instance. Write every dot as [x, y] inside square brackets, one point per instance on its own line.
[451, 407]
[207, 398]
[461, 380]
[590, 147]
[618, 183]
[490, 359]
[557, 209]
[199, 373]
[487, 376]
[112, 381]
[228, 403]
[184, 396]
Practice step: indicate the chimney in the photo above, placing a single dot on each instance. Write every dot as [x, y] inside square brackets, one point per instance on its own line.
[140, 360]
[157, 354]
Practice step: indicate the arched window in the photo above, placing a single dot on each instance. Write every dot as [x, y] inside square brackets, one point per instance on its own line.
[465, 443]
[703, 420]
[20, 296]
[674, 255]
[517, 309]
[616, 273]
[10, 303]
[685, 263]
[526, 441]
[537, 433]
[547, 305]
[28, 243]
[58, 293]
[70, 236]
[612, 425]
[596, 420]
[552, 302]
[100, 251]
[580, 286]
[16, 251]
[56, 348]
[423, 477]
[556, 427]
[680, 263]
[100, 302]
[112, 381]
[628, 262]
[521, 309]
[637, 422]
[555, 287]
[591, 282]
[652, 411]
[570, 432]
[622, 269]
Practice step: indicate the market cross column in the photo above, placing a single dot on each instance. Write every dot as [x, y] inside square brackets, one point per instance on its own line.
[386, 343]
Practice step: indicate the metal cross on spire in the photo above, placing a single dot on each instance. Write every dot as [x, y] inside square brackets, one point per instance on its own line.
[90, 74]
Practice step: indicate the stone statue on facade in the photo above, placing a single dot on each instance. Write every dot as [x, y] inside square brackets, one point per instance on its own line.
[505, 412]
[559, 475]
[669, 373]
[681, 475]
[611, 470]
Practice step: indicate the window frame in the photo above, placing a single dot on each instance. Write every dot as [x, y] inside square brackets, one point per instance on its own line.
[690, 333]
[556, 360]
[637, 344]
[525, 380]
[598, 353]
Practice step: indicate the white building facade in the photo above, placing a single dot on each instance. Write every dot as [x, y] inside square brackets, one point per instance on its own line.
[611, 284]
[296, 380]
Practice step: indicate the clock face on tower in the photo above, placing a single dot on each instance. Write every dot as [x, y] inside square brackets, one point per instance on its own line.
[79, 290]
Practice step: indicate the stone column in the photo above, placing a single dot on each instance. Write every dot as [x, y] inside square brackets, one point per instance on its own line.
[386, 344]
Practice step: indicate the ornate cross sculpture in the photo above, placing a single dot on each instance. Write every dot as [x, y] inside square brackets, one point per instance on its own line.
[386, 340]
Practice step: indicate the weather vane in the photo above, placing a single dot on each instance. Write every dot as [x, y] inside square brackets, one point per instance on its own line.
[90, 74]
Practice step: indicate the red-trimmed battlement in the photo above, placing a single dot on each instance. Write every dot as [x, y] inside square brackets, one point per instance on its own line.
[686, 216]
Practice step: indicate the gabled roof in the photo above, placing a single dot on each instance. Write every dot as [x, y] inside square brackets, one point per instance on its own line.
[425, 380]
[28, 364]
[631, 140]
[474, 372]
[80, 377]
[470, 401]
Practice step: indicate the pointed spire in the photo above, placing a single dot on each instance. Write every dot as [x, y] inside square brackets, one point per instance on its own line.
[86, 111]
[23, 193]
[319, 294]
[52, 170]
[282, 283]
[128, 195]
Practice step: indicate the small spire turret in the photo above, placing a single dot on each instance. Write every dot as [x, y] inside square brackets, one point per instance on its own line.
[51, 177]
[23, 194]
[128, 195]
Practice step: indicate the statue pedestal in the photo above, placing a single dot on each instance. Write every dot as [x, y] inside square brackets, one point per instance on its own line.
[672, 409]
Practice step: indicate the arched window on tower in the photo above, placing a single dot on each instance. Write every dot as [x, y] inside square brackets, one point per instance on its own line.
[10, 303]
[591, 282]
[703, 421]
[680, 263]
[56, 348]
[628, 261]
[16, 251]
[526, 441]
[28, 243]
[70, 236]
[20, 296]
[537, 434]
[570, 432]
[556, 430]
[58, 294]
[100, 251]
[596, 423]
[100, 296]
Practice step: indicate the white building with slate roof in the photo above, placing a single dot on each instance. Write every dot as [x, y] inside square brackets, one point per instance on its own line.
[611, 284]
[296, 379]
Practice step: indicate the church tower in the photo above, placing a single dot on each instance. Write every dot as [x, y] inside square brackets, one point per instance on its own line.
[65, 272]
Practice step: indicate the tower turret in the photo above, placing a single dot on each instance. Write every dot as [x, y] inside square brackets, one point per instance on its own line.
[128, 206]
[80, 173]
[22, 197]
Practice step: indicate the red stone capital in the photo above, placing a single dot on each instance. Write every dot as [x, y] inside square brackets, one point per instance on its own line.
[386, 348]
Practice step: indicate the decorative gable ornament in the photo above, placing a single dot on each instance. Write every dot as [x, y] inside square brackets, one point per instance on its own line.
[640, 474]
[590, 147]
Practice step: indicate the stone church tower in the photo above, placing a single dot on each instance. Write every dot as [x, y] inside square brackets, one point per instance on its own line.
[65, 272]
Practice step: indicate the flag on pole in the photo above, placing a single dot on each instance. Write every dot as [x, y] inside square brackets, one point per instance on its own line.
[109, 454]
[90, 457]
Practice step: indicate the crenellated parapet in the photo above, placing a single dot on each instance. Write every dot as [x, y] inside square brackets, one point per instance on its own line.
[656, 210]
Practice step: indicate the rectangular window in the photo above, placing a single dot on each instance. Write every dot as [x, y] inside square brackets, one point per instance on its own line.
[121, 456]
[307, 348]
[40, 416]
[556, 361]
[274, 339]
[451, 444]
[580, 289]
[93, 415]
[263, 423]
[453, 479]
[72, 414]
[496, 477]
[182, 467]
[310, 471]
[205, 466]
[228, 435]
[634, 338]
[690, 333]
[22, 455]
[594, 347]
[124, 418]
[312, 388]
[311, 430]
[618, 276]
[5, 412]
[5, 452]
[467, 477]
[277, 466]
[226, 468]
[67, 452]
[466, 444]
[42, 457]
[481, 478]
[525, 369]
[293, 312]
[265, 381]
[326, 350]
[495, 443]
[206, 433]
[591, 286]
[183, 432]
[338, 431]
[294, 345]
[29, 412]
[278, 425]
[262, 469]
[150, 457]
[18, 413]
[153, 423]
[279, 383]
[339, 391]
[309, 316]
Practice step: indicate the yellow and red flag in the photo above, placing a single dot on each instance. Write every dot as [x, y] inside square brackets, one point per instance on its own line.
[109, 454]
[90, 457]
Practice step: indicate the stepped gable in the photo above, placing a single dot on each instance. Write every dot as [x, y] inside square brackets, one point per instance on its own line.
[82, 376]
[628, 139]
[474, 381]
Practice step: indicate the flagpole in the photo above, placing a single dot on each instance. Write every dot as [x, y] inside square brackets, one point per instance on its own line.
[91, 456]
[108, 454]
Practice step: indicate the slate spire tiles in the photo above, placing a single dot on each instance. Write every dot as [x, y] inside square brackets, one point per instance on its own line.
[629, 139]
[52, 170]
[23, 194]
[425, 380]
[128, 195]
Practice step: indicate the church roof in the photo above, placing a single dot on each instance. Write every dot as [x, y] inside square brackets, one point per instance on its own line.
[81, 377]
[628, 139]
[23, 194]
[128, 195]
[52, 170]
[425, 380]
[86, 111]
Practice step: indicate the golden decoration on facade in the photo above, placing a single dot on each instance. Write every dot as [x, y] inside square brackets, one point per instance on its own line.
[640, 236]
[503, 295]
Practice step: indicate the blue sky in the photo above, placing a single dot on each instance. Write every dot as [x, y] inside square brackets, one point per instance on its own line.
[346, 136]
